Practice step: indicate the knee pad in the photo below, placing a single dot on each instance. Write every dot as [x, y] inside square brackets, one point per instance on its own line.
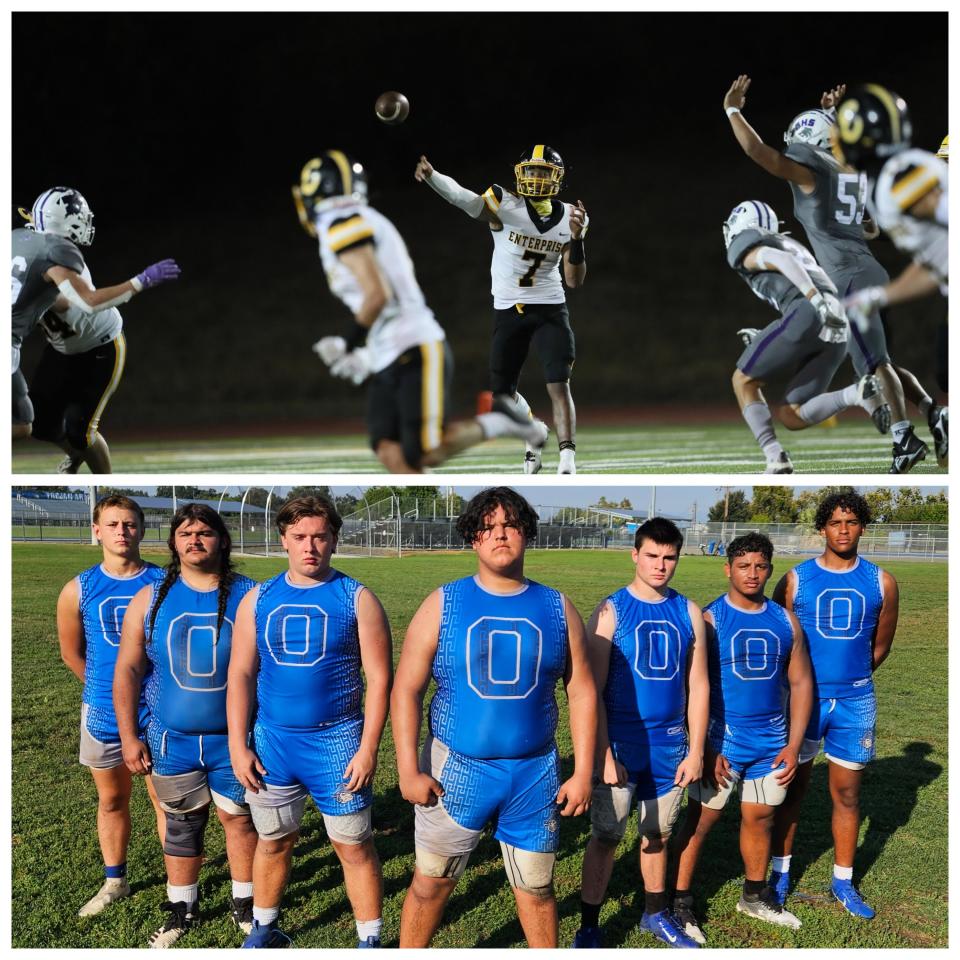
[529, 870]
[274, 823]
[229, 805]
[184, 837]
[609, 813]
[438, 865]
[183, 792]
[352, 828]
[658, 815]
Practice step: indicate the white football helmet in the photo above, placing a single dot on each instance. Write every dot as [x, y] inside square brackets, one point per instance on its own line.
[811, 126]
[750, 215]
[64, 212]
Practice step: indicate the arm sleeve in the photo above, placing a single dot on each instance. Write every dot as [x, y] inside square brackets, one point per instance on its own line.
[769, 258]
[451, 191]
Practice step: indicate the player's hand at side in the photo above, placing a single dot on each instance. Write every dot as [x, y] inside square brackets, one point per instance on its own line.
[721, 771]
[424, 170]
[737, 94]
[421, 789]
[136, 755]
[360, 770]
[689, 771]
[573, 797]
[789, 758]
[330, 349]
[355, 366]
[579, 221]
[247, 769]
[614, 772]
[830, 98]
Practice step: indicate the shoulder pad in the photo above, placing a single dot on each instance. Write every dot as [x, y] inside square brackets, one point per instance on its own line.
[805, 154]
[910, 184]
[493, 197]
[63, 252]
[744, 242]
[350, 230]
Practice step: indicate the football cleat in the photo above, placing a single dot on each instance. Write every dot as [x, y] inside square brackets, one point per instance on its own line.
[113, 889]
[748, 335]
[539, 172]
[870, 396]
[533, 459]
[750, 215]
[811, 126]
[181, 917]
[69, 464]
[371, 943]
[587, 938]
[765, 907]
[331, 179]
[908, 453]
[782, 464]
[779, 883]
[683, 911]
[265, 935]
[850, 899]
[666, 928]
[873, 124]
[937, 420]
[63, 212]
[241, 913]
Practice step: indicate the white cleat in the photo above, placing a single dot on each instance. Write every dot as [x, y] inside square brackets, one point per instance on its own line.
[783, 464]
[870, 396]
[770, 911]
[533, 459]
[938, 421]
[114, 888]
[568, 462]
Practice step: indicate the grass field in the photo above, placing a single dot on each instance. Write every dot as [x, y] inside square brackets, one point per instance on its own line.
[851, 447]
[901, 861]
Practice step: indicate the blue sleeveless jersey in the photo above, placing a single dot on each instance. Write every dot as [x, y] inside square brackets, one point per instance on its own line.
[646, 692]
[839, 614]
[309, 652]
[187, 690]
[104, 599]
[498, 660]
[748, 655]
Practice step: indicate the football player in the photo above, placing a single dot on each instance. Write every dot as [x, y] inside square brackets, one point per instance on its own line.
[829, 200]
[910, 196]
[47, 270]
[394, 338]
[808, 338]
[533, 234]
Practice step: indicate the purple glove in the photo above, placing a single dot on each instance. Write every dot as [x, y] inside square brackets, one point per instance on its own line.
[158, 273]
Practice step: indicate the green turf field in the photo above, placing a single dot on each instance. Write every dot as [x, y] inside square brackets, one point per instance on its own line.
[901, 862]
[851, 447]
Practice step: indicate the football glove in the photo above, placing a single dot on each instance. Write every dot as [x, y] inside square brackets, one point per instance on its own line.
[748, 335]
[158, 273]
[330, 349]
[832, 318]
[354, 366]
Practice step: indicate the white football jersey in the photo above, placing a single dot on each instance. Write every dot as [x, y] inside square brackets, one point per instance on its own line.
[74, 331]
[527, 250]
[904, 179]
[406, 321]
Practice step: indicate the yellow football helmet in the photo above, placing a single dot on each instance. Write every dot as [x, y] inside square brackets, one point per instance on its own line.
[539, 172]
[944, 152]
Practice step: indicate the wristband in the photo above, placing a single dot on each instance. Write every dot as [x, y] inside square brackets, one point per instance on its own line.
[136, 284]
[577, 254]
[356, 336]
[732, 110]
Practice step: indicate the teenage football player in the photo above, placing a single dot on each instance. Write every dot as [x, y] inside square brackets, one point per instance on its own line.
[48, 271]
[533, 233]
[829, 200]
[910, 196]
[808, 338]
[394, 338]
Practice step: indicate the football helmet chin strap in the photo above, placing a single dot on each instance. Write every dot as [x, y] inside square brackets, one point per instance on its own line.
[451, 191]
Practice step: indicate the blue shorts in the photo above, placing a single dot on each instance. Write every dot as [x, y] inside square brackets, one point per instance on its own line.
[520, 794]
[652, 767]
[316, 759]
[174, 753]
[848, 728]
[752, 749]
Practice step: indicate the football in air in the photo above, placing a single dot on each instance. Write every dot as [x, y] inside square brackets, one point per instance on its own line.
[392, 107]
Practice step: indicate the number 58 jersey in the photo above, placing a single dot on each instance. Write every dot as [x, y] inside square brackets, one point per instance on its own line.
[527, 250]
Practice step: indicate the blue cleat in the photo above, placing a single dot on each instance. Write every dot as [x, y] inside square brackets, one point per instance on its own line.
[587, 938]
[371, 943]
[779, 883]
[850, 899]
[664, 927]
[269, 935]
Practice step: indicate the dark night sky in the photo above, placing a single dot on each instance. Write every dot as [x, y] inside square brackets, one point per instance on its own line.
[185, 132]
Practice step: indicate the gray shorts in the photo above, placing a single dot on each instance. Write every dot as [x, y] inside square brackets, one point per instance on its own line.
[866, 350]
[792, 342]
[99, 754]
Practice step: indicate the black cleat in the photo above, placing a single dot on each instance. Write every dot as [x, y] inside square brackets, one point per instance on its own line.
[908, 452]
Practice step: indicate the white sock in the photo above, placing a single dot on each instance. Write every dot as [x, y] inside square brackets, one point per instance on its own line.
[265, 915]
[523, 406]
[241, 889]
[369, 928]
[843, 873]
[780, 864]
[495, 424]
[898, 429]
[824, 405]
[187, 894]
[924, 406]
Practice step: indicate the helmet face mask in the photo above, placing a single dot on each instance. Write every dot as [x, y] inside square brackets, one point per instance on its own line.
[63, 212]
[332, 179]
[750, 215]
[873, 124]
[811, 126]
[539, 173]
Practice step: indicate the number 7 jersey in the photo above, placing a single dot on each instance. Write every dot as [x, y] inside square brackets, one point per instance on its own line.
[526, 250]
